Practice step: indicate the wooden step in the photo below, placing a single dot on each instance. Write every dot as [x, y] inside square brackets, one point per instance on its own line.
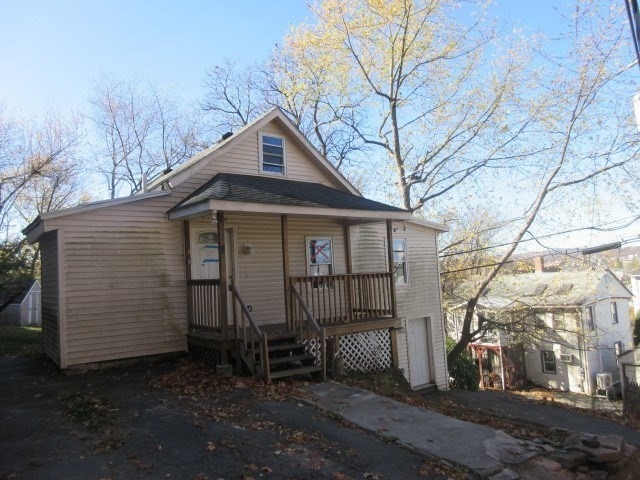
[290, 372]
[285, 346]
[281, 336]
[294, 358]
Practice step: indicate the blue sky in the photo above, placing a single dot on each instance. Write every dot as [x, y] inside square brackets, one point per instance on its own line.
[51, 51]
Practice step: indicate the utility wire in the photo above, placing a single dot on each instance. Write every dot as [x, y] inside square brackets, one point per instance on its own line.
[585, 251]
[535, 238]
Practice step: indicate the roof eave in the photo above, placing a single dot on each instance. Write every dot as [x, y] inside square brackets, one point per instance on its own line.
[183, 213]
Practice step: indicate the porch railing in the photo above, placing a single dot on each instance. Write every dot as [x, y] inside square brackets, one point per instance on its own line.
[307, 328]
[203, 300]
[344, 298]
[252, 342]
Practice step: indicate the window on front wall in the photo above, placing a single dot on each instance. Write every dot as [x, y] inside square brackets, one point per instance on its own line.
[320, 256]
[614, 312]
[558, 321]
[272, 154]
[548, 359]
[589, 313]
[400, 261]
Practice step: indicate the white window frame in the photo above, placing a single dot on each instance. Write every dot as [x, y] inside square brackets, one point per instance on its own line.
[614, 312]
[590, 317]
[542, 360]
[261, 137]
[403, 282]
[307, 241]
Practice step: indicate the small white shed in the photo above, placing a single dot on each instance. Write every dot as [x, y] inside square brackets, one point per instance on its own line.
[22, 306]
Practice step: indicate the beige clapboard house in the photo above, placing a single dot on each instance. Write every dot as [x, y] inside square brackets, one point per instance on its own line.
[257, 249]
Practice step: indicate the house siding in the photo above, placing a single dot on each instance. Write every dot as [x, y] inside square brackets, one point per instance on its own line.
[259, 276]
[50, 318]
[124, 283]
[244, 159]
[600, 344]
[420, 298]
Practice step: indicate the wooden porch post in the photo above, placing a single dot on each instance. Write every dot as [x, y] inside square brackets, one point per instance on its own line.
[224, 286]
[187, 271]
[392, 286]
[347, 248]
[284, 234]
[395, 360]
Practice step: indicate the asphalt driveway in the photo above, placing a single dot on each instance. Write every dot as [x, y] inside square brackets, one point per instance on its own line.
[112, 424]
[510, 406]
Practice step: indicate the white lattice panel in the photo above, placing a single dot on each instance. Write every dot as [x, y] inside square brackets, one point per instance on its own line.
[366, 351]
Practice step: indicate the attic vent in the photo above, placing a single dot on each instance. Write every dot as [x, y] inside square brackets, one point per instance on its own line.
[564, 288]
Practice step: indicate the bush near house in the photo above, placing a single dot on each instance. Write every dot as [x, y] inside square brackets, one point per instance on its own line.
[636, 330]
[464, 373]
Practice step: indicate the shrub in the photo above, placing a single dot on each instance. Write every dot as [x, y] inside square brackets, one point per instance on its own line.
[636, 330]
[463, 375]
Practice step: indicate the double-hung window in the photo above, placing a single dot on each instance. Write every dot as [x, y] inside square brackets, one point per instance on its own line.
[272, 154]
[548, 359]
[400, 261]
[590, 320]
[320, 256]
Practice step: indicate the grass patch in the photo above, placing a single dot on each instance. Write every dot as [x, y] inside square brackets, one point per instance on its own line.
[20, 340]
[93, 412]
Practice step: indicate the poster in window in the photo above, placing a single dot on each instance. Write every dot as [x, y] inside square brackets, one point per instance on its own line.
[320, 256]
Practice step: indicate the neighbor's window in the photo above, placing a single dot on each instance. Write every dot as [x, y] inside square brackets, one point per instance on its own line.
[320, 256]
[548, 361]
[590, 318]
[400, 261]
[558, 321]
[272, 154]
[614, 312]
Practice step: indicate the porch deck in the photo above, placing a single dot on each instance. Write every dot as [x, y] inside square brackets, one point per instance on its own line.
[317, 307]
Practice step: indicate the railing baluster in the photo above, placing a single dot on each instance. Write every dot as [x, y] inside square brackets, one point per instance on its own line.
[344, 297]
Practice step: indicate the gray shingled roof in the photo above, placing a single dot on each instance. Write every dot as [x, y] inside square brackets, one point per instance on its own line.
[538, 289]
[262, 189]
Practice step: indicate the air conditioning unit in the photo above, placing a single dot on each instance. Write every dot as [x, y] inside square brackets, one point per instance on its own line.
[604, 381]
[566, 357]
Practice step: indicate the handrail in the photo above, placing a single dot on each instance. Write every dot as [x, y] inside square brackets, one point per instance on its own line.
[342, 298]
[203, 300]
[320, 332]
[248, 339]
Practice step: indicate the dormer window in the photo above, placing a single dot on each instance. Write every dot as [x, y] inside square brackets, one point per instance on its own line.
[272, 154]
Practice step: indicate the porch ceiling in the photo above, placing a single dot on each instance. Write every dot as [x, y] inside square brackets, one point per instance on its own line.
[260, 194]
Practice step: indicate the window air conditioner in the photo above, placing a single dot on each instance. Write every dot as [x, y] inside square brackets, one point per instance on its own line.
[604, 381]
[566, 357]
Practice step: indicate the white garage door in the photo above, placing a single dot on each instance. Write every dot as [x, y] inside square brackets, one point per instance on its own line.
[418, 343]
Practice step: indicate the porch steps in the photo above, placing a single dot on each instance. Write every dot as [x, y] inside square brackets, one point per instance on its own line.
[292, 372]
[288, 356]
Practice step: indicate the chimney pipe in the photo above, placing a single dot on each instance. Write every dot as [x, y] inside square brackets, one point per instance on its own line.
[538, 263]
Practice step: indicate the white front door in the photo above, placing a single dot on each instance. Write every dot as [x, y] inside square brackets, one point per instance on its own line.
[204, 255]
[419, 358]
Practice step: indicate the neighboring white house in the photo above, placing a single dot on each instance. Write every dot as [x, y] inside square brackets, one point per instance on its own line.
[254, 247]
[21, 305]
[574, 321]
[635, 289]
